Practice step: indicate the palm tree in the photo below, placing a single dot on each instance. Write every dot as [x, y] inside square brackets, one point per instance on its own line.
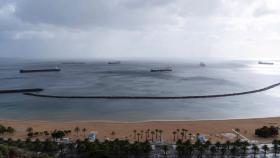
[255, 149]
[153, 133]
[71, 148]
[275, 147]
[61, 147]
[223, 150]
[165, 149]
[174, 135]
[207, 144]
[228, 143]
[190, 136]
[148, 132]
[244, 150]
[142, 133]
[113, 133]
[233, 151]
[135, 131]
[265, 149]
[213, 150]
[160, 135]
[77, 130]
[156, 134]
[138, 136]
[197, 135]
[10, 130]
[183, 135]
[178, 130]
[190, 150]
[84, 131]
[180, 148]
[218, 145]
[29, 130]
[201, 150]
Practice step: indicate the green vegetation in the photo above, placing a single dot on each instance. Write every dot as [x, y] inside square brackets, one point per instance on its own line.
[83, 149]
[57, 134]
[266, 131]
[5, 130]
[231, 149]
[116, 148]
[27, 149]
[52, 146]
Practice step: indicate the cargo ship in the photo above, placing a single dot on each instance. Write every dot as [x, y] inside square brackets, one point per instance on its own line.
[73, 63]
[265, 63]
[161, 69]
[202, 64]
[39, 70]
[114, 62]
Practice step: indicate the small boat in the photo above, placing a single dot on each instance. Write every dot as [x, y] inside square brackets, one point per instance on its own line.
[161, 69]
[265, 63]
[39, 70]
[114, 62]
[202, 64]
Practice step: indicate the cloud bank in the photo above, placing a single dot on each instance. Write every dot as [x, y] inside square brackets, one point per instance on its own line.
[140, 28]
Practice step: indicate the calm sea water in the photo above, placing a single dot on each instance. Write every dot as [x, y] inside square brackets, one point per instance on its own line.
[135, 78]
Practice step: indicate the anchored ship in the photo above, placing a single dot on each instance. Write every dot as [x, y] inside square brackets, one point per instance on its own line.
[266, 63]
[114, 62]
[73, 63]
[39, 70]
[202, 64]
[161, 69]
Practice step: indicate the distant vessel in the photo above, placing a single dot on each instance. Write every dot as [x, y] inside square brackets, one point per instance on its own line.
[39, 70]
[161, 69]
[202, 64]
[114, 62]
[73, 63]
[266, 63]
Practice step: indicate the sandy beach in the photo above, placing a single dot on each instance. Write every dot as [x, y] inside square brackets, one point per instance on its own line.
[212, 129]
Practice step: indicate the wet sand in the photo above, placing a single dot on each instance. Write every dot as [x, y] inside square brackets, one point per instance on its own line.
[212, 129]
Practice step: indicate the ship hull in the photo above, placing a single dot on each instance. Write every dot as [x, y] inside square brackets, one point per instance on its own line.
[40, 70]
[160, 70]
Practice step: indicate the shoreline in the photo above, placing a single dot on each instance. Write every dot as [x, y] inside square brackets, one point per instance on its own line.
[214, 130]
[141, 121]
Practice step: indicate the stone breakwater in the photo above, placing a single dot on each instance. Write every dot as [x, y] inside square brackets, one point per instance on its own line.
[21, 90]
[154, 97]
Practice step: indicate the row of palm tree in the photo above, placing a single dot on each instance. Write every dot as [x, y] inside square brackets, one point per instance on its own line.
[78, 129]
[182, 134]
[115, 148]
[230, 149]
[153, 135]
[31, 133]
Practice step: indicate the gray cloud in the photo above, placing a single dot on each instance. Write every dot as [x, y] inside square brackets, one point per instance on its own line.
[139, 28]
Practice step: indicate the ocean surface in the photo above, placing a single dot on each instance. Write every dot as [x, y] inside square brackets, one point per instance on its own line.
[134, 78]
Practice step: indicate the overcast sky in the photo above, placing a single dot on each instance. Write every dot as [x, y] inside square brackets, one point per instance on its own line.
[140, 28]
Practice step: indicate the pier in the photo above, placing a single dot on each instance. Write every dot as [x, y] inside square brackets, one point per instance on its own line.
[155, 97]
[21, 90]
